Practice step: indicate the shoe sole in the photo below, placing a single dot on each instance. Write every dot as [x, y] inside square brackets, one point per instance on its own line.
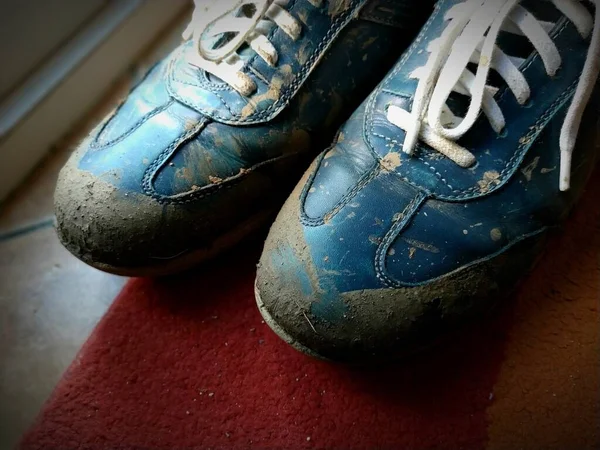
[438, 342]
[307, 351]
[193, 258]
[281, 332]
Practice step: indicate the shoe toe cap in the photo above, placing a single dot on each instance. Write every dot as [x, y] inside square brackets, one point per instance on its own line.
[363, 325]
[102, 224]
[302, 305]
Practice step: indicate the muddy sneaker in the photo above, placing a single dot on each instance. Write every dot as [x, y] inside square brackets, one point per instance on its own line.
[441, 188]
[216, 135]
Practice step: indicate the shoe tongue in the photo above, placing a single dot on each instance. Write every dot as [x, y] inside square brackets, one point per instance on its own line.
[511, 44]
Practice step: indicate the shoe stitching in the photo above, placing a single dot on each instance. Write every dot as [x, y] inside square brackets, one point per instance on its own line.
[391, 235]
[364, 179]
[434, 170]
[152, 170]
[368, 124]
[228, 183]
[512, 164]
[203, 84]
[95, 145]
[131, 89]
[406, 284]
[522, 148]
[268, 113]
[271, 36]
[191, 196]
[380, 265]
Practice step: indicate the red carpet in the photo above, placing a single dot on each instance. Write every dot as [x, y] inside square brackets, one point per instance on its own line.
[186, 362]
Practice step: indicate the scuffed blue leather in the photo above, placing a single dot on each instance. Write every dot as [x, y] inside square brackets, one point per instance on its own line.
[186, 166]
[296, 61]
[369, 225]
[151, 97]
[180, 135]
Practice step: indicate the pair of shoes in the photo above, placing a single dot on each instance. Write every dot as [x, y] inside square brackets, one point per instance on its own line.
[434, 200]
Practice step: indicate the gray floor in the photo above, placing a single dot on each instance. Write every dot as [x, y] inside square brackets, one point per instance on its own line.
[49, 301]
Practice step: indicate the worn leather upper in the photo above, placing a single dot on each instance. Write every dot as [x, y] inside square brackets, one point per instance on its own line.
[183, 137]
[373, 218]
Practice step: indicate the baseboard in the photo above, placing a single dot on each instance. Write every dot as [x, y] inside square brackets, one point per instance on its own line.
[54, 98]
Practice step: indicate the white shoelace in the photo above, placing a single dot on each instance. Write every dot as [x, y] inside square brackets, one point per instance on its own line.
[471, 37]
[252, 27]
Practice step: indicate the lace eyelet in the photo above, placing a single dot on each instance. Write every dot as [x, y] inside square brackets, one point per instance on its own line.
[503, 133]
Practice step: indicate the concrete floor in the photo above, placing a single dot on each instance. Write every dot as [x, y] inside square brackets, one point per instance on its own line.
[49, 300]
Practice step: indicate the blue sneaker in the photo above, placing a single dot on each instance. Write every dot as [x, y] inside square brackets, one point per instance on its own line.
[440, 190]
[211, 142]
